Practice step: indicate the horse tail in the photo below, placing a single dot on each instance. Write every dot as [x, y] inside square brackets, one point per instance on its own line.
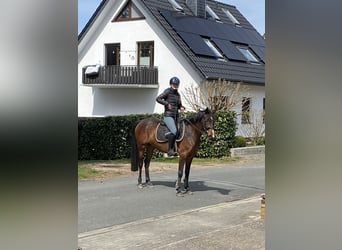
[134, 152]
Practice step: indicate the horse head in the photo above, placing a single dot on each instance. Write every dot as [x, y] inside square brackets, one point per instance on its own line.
[208, 123]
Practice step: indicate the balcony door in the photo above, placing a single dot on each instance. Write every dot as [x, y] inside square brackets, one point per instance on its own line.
[112, 53]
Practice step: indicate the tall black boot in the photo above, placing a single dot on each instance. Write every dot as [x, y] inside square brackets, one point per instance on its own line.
[172, 139]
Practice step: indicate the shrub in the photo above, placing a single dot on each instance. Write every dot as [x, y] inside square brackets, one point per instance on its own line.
[260, 140]
[239, 142]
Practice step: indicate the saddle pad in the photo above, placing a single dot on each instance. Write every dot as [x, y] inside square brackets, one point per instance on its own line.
[162, 129]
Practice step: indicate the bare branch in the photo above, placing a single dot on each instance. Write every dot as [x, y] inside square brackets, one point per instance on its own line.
[216, 94]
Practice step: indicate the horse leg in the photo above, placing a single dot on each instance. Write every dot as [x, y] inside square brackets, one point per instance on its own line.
[140, 165]
[180, 174]
[149, 153]
[186, 177]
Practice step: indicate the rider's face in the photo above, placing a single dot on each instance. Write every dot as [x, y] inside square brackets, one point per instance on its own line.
[174, 86]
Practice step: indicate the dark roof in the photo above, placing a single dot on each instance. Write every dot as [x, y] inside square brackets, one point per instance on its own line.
[92, 19]
[187, 30]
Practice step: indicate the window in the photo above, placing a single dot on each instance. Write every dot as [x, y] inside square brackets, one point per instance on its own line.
[263, 110]
[248, 54]
[176, 6]
[129, 12]
[145, 53]
[212, 47]
[246, 108]
[231, 17]
[211, 13]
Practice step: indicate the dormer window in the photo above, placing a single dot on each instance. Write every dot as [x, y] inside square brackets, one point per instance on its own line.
[211, 13]
[176, 6]
[231, 17]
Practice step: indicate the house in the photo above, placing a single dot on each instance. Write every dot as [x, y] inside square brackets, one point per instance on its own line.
[129, 50]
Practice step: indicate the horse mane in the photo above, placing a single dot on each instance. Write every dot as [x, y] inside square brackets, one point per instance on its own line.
[196, 117]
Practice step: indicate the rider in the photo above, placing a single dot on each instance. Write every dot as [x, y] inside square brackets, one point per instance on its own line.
[171, 100]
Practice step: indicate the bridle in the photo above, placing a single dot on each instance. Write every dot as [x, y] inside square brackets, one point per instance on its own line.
[203, 130]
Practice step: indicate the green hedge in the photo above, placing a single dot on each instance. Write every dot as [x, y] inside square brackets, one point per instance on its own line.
[109, 138]
[225, 128]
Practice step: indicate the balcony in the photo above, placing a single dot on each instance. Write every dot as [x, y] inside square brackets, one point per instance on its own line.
[114, 76]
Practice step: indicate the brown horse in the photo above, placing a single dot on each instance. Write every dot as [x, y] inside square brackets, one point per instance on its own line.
[144, 140]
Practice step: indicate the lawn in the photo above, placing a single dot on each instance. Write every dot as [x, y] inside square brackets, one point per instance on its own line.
[100, 169]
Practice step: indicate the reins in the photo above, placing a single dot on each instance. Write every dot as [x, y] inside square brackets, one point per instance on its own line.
[202, 131]
[193, 125]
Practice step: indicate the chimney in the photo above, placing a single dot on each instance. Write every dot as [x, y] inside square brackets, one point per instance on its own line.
[197, 7]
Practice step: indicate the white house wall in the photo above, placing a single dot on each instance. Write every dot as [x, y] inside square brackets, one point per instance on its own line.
[257, 94]
[120, 101]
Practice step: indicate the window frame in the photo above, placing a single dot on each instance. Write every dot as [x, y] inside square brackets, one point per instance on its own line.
[231, 17]
[128, 6]
[212, 13]
[213, 47]
[176, 5]
[250, 56]
[151, 52]
[263, 110]
[246, 110]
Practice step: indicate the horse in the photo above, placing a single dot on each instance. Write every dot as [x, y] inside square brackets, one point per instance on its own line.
[144, 141]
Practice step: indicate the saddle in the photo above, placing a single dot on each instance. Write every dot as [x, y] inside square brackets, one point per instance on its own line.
[162, 129]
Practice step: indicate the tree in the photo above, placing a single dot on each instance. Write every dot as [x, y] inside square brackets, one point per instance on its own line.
[216, 94]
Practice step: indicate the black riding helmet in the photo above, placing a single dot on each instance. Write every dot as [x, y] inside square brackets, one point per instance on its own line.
[174, 80]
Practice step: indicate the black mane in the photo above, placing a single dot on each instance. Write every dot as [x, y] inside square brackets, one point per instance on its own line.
[198, 116]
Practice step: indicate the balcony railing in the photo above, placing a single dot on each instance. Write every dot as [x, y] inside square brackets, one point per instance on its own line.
[122, 76]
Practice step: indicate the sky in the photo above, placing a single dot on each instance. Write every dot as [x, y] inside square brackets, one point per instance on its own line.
[253, 10]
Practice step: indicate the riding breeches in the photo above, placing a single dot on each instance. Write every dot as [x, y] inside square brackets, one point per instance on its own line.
[171, 124]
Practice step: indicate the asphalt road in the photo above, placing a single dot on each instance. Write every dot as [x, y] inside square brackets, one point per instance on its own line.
[119, 200]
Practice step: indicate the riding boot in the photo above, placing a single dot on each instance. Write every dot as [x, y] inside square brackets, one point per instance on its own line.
[172, 139]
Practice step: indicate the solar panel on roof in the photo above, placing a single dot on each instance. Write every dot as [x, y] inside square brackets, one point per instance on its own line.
[229, 50]
[260, 51]
[196, 44]
[191, 28]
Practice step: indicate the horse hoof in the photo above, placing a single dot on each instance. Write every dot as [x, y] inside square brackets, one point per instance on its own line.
[149, 184]
[188, 191]
[179, 194]
[140, 185]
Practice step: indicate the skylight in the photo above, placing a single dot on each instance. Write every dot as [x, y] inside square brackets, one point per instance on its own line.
[212, 47]
[211, 13]
[230, 16]
[176, 5]
[247, 53]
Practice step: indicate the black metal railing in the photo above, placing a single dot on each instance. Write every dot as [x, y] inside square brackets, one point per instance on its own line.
[122, 75]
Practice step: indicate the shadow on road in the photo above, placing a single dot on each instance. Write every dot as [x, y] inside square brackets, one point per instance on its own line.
[195, 186]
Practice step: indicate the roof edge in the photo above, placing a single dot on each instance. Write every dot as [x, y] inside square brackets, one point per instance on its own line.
[91, 20]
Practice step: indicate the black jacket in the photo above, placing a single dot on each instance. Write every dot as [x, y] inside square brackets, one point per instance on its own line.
[170, 96]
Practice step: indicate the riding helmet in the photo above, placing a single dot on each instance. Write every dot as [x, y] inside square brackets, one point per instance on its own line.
[174, 80]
